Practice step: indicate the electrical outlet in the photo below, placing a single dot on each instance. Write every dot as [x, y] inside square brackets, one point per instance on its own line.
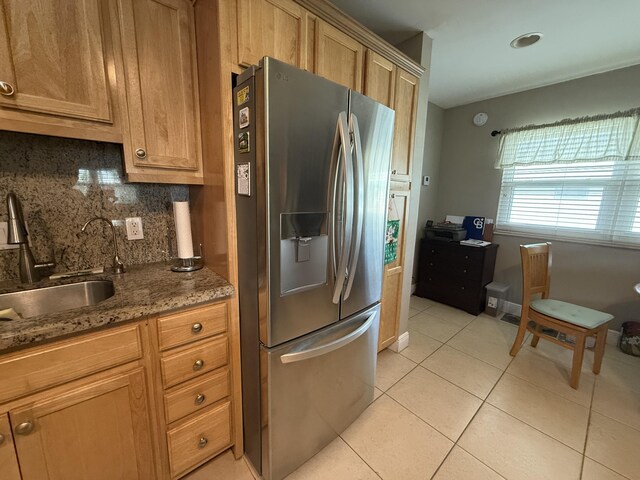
[134, 228]
[4, 231]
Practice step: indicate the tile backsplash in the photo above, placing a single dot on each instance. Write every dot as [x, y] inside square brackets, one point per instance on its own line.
[61, 184]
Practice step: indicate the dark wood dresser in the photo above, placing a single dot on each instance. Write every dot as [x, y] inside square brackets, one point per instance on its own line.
[455, 274]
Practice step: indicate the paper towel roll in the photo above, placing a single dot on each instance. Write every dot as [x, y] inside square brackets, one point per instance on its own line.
[183, 229]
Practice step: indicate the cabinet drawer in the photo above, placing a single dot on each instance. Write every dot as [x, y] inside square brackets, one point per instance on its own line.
[48, 365]
[202, 437]
[196, 395]
[185, 327]
[194, 360]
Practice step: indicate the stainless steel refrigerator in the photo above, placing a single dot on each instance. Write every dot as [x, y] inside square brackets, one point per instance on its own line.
[312, 173]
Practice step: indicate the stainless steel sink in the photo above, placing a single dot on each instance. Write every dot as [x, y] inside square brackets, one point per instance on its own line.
[40, 301]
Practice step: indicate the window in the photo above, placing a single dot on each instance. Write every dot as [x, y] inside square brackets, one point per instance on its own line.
[575, 181]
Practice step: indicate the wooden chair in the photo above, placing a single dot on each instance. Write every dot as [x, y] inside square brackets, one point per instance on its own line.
[581, 322]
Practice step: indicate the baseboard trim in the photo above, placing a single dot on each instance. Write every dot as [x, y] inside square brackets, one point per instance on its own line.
[613, 336]
[401, 343]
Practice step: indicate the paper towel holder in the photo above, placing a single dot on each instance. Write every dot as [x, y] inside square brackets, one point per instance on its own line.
[188, 264]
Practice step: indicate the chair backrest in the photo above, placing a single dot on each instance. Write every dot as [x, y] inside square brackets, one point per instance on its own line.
[536, 270]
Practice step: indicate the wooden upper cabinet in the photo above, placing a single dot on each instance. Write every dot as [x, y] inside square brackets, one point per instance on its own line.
[158, 46]
[379, 79]
[405, 105]
[99, 430]
[274, 28]
[53, 58]
[338, 57]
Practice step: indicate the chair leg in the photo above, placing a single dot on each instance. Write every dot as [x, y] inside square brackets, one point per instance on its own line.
[578, 354]
[517, 343]
[536, 338]
[601, 342]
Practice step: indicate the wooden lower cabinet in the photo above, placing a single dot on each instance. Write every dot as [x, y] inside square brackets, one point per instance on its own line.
[199, 438]
[8, 459]
[398, 209]
[98, 430]
[115, 405]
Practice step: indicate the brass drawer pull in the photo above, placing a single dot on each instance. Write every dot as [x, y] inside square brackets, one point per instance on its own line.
[25, 428]
[198, 365]
[202, 442]
[1, 439]
[141, 153]
[200, 398]
[196, 328]
[6, 89]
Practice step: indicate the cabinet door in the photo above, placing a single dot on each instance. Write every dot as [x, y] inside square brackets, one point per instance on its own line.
[8, 461]
[405, 105]
[379, 79]
[53, 58]
[338, 56]
[158, 46]
[99, 431]
[393, 272]
[274, 28]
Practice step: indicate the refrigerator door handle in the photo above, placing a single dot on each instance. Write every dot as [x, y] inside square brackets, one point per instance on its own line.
[358, 195]
[331, 346]
[347, 168]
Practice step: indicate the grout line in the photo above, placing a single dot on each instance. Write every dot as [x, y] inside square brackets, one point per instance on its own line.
[586, 435]
[358, 455]
[608, 468]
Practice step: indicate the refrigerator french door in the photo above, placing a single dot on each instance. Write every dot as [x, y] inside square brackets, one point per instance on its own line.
[312, 161]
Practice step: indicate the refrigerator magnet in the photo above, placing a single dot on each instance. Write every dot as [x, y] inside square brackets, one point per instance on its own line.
[242, 96]
[243, 179]
[243, 117]
[244, 146]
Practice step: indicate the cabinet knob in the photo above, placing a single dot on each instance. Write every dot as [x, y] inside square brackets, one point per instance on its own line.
[198, 365]
[461, 288]
[464, 271]
[196, 328]
[25, 428]
[200, 398]
[203, 442]
[141, 153]
[1, 439]
[6, 89]
[466, 257]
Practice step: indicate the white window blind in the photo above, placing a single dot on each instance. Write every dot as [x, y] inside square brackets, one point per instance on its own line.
[584, 199]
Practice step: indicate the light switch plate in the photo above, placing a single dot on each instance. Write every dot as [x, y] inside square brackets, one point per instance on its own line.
[426, 180]
[4, 231]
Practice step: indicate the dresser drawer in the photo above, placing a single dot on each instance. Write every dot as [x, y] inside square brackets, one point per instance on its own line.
[42, 367]
[185, 363]
[199, 438]
[196, 395]
[185, 327]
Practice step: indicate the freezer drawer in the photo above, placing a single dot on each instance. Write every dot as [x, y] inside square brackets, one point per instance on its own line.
[316, 387]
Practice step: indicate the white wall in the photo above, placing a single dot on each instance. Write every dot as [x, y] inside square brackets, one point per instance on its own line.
[595, 276]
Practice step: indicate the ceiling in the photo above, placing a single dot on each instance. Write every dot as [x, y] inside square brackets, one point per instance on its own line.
[472, 59]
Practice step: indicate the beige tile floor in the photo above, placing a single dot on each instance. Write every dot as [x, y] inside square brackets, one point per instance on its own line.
[455, 406]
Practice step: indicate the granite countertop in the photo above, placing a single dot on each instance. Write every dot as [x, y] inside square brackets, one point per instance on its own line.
[142, 291]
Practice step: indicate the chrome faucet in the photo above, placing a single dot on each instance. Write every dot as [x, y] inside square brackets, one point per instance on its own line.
[118, 266]
[30, 271]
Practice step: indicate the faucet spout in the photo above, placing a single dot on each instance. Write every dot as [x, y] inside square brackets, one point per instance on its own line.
[118, 266]
[30, 271]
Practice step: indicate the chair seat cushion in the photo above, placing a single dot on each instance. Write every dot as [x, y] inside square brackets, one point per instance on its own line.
[568, 312]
